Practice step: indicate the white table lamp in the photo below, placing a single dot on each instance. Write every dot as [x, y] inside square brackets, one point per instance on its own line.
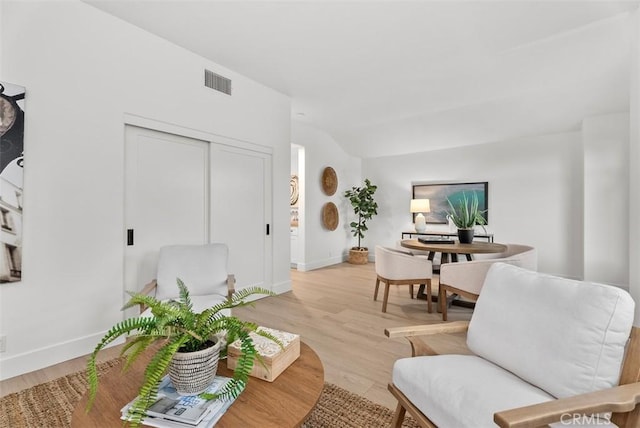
[420, 206]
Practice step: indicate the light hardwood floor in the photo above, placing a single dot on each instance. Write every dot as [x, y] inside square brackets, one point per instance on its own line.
[333, 310]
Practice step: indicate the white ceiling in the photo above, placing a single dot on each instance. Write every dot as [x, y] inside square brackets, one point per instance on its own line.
[394, 77]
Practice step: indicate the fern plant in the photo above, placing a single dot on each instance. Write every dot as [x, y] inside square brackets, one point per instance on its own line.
[467, 214]
[175, 327]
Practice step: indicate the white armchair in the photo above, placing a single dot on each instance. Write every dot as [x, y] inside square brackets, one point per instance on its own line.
[466, 278]
[401, 268]
[202, 268]
[545, 349]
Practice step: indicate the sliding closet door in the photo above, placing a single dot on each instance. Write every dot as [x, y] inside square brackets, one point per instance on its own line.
[166, 198]
[241, 211]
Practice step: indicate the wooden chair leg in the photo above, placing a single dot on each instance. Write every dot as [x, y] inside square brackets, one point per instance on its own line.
[442, 301]
[375, 294]
[429, 304]
[386, 297]
[398, 416]
[411, 290]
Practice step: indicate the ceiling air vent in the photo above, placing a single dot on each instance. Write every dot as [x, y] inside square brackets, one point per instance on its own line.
[217, 82]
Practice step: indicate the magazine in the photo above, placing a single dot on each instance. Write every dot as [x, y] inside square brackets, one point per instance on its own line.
[172, 410]
[181, 410]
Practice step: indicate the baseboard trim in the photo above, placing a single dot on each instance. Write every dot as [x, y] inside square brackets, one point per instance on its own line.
[41, 358]
[304, 267]
[282, 287]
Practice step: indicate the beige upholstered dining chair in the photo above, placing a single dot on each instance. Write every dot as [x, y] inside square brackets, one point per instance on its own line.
[202, 268]
[401, 268]
[466, 278]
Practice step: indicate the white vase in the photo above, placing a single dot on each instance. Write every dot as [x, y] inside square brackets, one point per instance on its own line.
[421, 223]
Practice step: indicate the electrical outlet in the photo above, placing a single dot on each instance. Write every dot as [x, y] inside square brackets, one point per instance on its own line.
[3, 343]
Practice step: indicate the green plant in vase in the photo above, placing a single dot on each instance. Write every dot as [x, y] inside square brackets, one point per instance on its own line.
[174, 329]
[466, 215]
[365, 207]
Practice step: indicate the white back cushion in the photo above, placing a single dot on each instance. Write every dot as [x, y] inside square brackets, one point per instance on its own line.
[563, 336]
[202, 268]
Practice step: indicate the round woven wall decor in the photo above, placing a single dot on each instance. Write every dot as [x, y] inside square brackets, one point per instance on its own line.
[329, 181]
[330, 218]
[294, 192]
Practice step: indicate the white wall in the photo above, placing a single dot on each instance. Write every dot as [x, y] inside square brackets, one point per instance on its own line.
[606, 198]
[634, 169]
[83, 70]
[1, 31]
[535, 193]
[321, 246]
[565, 194]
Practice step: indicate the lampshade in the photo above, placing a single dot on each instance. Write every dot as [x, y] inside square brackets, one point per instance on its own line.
[420, 206]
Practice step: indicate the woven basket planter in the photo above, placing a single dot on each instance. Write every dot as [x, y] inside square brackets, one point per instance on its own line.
[192, 372]
[358, 257]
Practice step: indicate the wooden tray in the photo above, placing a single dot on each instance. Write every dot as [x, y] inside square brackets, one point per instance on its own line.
[329, 181]
[330, 217]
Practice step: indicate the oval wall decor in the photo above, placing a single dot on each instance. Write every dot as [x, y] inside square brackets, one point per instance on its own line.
[329, 181]
[330, 218]
[294, 192]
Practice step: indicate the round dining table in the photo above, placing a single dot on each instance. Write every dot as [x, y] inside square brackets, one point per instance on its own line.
[454, 248]
[451, 251]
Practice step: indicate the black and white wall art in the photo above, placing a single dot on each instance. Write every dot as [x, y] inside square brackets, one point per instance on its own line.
[11, 178]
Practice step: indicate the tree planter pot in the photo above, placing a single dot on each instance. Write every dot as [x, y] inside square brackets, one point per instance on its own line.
[192, 372]
[465, 236]
[358, 256]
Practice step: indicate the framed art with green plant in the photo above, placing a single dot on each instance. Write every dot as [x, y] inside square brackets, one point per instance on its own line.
[438, 192]
[174, 328]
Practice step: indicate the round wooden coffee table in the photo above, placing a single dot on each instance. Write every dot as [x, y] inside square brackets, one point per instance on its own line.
[285, 402]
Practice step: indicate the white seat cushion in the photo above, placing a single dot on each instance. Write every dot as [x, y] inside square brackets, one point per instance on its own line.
[567, 337]
[457, 391]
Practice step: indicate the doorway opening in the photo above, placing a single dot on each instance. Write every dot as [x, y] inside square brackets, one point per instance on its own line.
[297, 205]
